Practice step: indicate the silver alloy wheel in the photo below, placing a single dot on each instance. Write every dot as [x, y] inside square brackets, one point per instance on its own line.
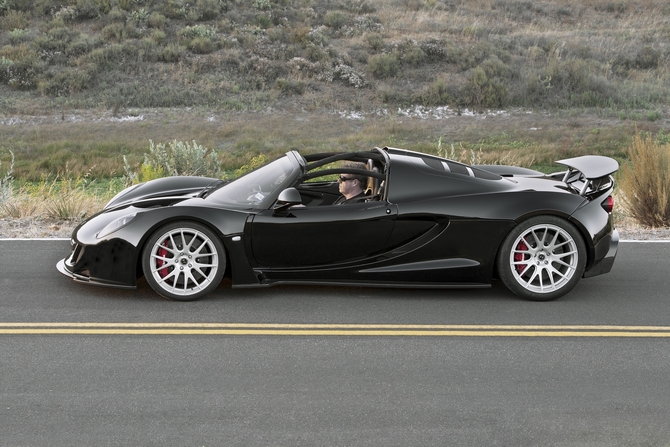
[544, 258]
[184, 261]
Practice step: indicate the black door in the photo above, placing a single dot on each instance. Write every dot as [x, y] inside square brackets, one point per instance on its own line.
[321, 235]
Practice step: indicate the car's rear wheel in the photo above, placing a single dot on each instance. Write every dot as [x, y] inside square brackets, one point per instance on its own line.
[542, 258]
[183, 261]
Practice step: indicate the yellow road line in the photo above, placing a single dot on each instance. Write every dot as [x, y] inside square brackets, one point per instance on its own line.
[331, 326]
[379, 330]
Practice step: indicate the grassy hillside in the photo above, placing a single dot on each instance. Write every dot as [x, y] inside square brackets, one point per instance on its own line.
[251, 76]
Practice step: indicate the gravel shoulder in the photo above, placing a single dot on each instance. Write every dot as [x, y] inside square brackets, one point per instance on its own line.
[51, 228]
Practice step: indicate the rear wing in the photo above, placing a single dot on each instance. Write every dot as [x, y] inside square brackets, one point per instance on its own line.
[590, 173]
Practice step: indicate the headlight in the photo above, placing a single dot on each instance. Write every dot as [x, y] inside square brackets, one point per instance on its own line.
[116, 224]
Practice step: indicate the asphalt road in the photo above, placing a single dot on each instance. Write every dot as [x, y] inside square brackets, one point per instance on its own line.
[81, 365]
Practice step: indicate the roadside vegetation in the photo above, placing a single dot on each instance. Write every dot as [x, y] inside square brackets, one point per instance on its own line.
[122, 83]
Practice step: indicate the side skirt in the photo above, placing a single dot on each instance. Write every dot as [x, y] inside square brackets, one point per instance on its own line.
[367, 284]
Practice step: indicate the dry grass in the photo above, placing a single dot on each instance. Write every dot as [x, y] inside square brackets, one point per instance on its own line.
[65, 198]
[645, 182]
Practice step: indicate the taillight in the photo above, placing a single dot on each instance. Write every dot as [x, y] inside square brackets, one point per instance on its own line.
[608, 204]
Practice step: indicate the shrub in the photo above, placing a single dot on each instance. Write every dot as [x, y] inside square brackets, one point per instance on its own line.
[208, 9]
[191, 32]
[106, 57]
[88, 9]
[376, 41]
[19, 36]
[23, 74]
[335, 19]
[647, 58]
[13, 20]
[437, 94]
[171, 53]
[5, 64]
[262, 5]
[645, 182]
[117, 31]
[181, 158]
[484, 91]
[158, 36]
[139, 16]
[289, 87]
[157, 20]
[82, 45]
[367, 24]
[384, 65]
[65, 82]
[413, 56]
[117, 15]
[201, 45]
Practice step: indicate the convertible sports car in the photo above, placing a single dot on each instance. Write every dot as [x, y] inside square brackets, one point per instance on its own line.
[425, 222]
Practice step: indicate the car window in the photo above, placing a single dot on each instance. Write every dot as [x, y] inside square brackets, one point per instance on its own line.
[256, 186]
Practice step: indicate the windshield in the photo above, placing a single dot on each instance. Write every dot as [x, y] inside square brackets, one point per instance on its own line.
[254, 187]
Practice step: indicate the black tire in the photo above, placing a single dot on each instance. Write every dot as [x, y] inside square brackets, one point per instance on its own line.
[542, 258]
[183, 261]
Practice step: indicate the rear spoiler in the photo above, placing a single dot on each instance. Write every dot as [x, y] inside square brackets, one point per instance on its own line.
[593, 170]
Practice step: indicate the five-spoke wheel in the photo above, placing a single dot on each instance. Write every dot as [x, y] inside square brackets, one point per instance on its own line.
[183, 261]
[542, 259]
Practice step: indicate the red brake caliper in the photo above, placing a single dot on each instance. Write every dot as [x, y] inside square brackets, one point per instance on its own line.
[518, 257]
[159, 262]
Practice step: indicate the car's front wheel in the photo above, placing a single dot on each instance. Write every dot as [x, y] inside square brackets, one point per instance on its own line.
[183, 261]
[542, 258]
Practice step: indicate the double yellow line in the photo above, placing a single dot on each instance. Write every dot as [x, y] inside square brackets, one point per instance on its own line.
[359, 330]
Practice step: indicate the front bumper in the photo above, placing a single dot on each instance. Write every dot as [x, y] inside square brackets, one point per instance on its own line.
[65, 265]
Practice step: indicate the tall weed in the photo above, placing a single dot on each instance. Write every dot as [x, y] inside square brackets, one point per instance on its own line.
[645, 182]
[6, 182]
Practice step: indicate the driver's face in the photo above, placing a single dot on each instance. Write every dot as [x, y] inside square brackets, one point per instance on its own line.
[346, 184]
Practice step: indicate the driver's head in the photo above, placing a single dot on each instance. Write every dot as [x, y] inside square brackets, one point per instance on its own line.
[352, 184]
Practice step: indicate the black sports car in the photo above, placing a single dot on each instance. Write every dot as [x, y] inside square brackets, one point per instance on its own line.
[424, 221]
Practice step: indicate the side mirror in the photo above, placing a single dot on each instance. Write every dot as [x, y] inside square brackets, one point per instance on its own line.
[287, 198]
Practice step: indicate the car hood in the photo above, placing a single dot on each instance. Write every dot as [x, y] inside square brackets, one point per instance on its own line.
[163, 191]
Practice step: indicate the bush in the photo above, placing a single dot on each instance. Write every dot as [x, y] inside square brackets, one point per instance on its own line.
[289, 87]
[13, 20]
[437, 94]
[5, 65]
[23, 74]
[335, 19]
[157, 20]
[19, 36]
[119, 31]
[171, 53]
[208, 9]
[88, 9]
[484, 91]
[647, 58]
[201, 45]
[65, 82]
[384, 65]
[191, 32]
[645, 183]
[180, 158]
[376, 41]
